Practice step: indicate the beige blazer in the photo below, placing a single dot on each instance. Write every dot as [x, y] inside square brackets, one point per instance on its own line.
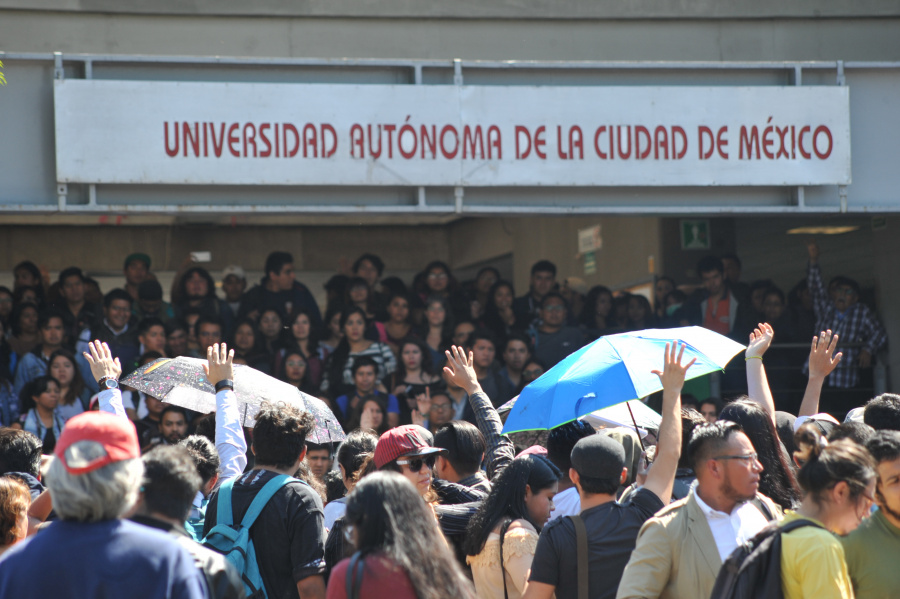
[676, 556]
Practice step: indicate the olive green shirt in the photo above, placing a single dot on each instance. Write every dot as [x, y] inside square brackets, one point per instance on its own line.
[872, 552]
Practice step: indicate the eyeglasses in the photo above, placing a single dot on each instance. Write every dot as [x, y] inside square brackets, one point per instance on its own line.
[750, 457]
[554, 308]
[415, 464]
[437, 275]
[440, 406]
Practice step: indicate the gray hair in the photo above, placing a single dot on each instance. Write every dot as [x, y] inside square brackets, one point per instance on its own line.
[103, 494]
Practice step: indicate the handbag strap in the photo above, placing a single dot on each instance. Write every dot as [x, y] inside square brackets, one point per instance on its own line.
[355, 575]
[581, 546]
[503, 530]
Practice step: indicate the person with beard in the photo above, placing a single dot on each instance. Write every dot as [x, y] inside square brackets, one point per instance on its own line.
[173, 424]
[680, 550]
[871, 550]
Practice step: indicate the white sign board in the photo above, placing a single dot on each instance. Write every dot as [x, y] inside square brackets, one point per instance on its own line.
[589, 239]
[442, 135]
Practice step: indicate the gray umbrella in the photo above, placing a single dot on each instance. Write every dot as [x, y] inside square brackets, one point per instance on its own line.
[182, 382]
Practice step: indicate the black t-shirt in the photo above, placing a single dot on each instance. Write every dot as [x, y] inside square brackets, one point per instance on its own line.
[612, 531]
[288, 536]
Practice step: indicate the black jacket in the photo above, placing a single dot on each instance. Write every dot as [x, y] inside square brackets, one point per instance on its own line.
[222, 580]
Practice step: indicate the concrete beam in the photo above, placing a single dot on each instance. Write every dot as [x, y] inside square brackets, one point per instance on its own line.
[479, 9]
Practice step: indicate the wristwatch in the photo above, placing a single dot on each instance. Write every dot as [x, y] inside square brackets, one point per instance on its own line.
[108, 383]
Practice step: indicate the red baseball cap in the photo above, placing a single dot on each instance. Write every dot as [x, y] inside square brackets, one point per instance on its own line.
[402, 441]
[115, 434]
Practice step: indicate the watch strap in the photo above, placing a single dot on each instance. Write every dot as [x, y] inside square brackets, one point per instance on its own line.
[225, 384]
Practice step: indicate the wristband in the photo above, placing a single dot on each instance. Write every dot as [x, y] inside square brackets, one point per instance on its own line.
[753, 358]
[225, 384]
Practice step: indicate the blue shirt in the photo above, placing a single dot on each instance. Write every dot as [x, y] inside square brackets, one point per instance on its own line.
[393, 407]
[30, 367]
[102, 560]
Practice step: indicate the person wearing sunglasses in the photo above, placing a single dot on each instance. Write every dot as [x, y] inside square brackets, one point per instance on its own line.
[404, 450]
[399, 549]
[838, 482]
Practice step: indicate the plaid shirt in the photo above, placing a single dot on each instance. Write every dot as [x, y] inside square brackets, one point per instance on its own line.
[857, 324]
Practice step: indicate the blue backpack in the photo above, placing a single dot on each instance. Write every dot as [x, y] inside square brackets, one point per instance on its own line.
[234, 542]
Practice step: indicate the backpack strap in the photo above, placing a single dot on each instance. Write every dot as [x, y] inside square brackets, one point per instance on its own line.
[224, 514]
[262, 498]
[581, 546]
[355, 572]
[503, 530]
[799, 523]
[762, 507]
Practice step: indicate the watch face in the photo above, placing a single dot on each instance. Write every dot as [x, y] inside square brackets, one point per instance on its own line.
[111, 384]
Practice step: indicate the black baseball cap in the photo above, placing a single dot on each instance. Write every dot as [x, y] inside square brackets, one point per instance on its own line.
[598, 456]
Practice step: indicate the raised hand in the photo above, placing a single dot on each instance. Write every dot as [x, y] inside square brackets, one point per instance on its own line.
[423, 401]
[673, 373]
[219, 365]
[822, 359]
[418, 417]
[760, 340]
[460, 371]
[103, 365]
[812, 249]
[367, 420]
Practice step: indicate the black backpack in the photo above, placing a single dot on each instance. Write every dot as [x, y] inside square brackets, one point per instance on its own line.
[753, 570]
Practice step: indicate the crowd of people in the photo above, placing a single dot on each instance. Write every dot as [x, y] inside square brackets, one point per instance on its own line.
[426, 497]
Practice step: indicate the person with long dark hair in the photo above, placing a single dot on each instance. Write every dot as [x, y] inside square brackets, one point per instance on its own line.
[358, 294]
[400, 550]
[356, 449]
[398, 325]
[271, 323]
[838, 482]
[479, 290]
[332, 334]
[294, 370]
[300, 333]
[338, 378]
[24, 332]
[437, 280]
[370, 414]
[776, 481]
[197, 289]
[640, 313]
[499, 316]
[512, 516]
[246, 344]
[39, 400]
[437, 330]
[74, 396]
[413, 377]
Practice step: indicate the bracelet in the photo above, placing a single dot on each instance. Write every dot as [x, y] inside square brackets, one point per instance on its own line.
[225, 384]
[753, 358]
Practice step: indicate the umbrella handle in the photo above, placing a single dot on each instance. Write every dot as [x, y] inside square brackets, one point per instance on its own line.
[634, 422]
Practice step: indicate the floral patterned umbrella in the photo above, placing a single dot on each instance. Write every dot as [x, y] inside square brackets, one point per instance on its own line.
[182, 382]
